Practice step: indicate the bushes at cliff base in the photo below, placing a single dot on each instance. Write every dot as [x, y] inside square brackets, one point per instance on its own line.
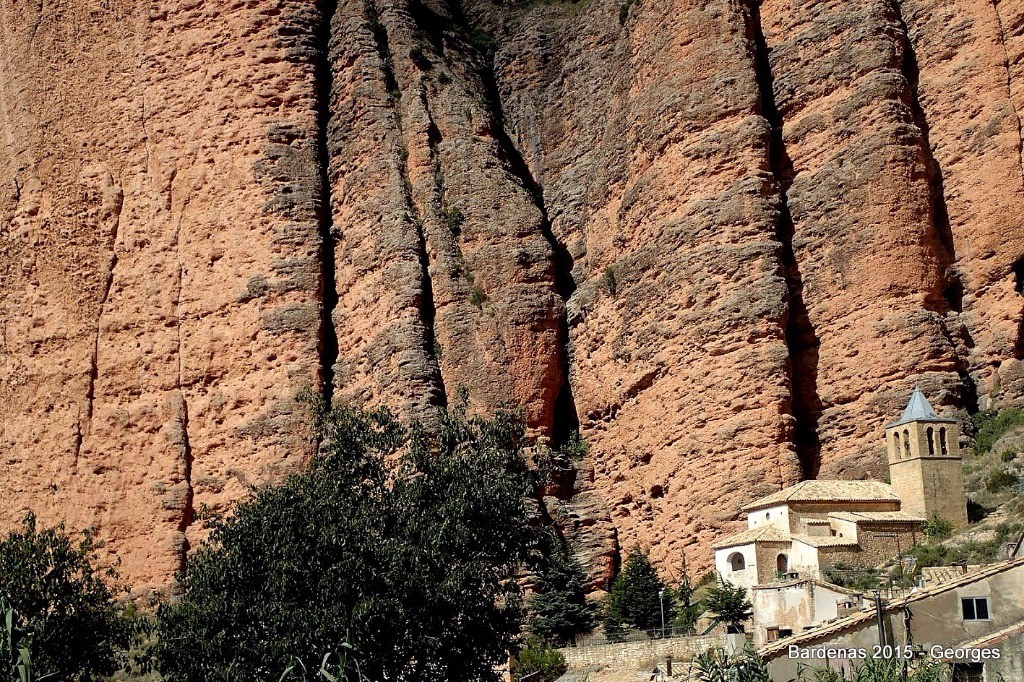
[395, 546]
[61, 609]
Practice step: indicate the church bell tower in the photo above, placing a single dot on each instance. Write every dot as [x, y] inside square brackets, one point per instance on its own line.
[925, 466]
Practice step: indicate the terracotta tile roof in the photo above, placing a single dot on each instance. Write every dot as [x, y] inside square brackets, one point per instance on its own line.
[868, 613]
[763, 533]
[936, 575]
[813, 581]
[828, 491]
[825, 540]
[994, 637]
[877, 517]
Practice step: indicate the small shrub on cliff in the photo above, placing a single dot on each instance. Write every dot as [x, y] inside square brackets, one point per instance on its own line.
[999, 480]
[609, 281]
[453, 220]
[938, 528]
[575, 447]
[60, 604]
[395, 543]
[478, 296]
[990, 426]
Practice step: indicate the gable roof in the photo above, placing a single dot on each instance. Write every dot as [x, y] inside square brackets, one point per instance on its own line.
[828, 491]
[918, 409]
[763, 533]
[825, 541]
[877, 517]
[868, 613]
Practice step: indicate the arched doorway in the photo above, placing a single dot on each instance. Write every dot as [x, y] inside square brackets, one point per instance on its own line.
[782, 563]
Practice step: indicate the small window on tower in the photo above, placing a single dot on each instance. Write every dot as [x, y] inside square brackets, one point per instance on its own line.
[896, 445]
[931, 441]
[942, 441]
[906, 443]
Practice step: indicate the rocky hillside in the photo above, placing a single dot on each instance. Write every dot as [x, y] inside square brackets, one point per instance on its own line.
[720, 239]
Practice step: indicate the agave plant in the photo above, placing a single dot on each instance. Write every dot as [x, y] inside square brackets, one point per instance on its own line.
[17, 661]
[342, 666]
[715, 665]
[884, 670]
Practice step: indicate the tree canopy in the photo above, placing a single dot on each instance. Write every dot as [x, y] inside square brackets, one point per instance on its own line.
[59, 603]
[395, 545]
[728, 604]
[635, 599]
[559, 610]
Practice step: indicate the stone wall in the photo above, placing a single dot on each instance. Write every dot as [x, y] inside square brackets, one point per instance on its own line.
[630, 655]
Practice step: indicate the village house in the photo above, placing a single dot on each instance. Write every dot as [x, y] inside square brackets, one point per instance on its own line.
[975, 622]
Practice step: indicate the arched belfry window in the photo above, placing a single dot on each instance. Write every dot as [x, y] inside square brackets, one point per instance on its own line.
[931, 441]
[906, 443]
[896, 444]
[737, 562]
[942, 441]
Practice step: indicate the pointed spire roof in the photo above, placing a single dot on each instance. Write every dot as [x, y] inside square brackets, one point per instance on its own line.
[918, 409]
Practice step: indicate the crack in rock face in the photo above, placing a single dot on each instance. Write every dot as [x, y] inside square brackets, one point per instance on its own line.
[719, 241]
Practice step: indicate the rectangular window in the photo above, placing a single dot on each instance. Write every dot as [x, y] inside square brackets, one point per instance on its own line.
[968, 672]
[974, 608]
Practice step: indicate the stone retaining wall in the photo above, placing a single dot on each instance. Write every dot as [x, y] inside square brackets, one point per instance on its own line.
[630, 655]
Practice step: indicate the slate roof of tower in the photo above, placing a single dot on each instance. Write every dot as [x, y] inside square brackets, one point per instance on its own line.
[918, 409]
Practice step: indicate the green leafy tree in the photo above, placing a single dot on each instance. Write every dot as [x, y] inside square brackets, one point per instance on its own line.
[728, 604]
[938, 527]
[395, 544]
[559, 610]
[635, 600]
[538, 662]
[687, 612]
[59, 603]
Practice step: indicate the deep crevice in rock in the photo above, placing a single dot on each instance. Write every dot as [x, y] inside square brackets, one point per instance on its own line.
[1009, 88]
[427, 306]
[428, 309]
[188, 510]
[108, 283]
[952, 292]
[566, 416]
[1017, 269]
[324, 84]
[801, 338]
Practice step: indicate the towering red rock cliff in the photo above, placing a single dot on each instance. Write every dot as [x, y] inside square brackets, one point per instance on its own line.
[721, 239]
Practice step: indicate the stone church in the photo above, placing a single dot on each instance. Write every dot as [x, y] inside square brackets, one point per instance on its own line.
[802, 530]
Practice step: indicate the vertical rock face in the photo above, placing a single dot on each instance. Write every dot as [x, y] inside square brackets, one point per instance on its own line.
[970, 90]
[160, 269]
[861, 200]
[721, 239]
[658, 181]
